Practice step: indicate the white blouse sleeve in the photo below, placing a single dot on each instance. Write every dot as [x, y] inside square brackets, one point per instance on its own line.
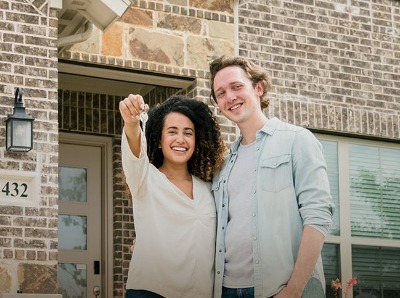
[135, 169]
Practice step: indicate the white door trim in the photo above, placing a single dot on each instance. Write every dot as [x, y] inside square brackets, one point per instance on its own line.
[105, 143]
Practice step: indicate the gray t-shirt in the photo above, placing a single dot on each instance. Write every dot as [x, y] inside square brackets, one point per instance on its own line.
[239, 269]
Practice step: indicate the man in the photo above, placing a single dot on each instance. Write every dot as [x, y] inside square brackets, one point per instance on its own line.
[272, 195]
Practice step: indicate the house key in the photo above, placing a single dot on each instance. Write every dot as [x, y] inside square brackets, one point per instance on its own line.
[144, 117]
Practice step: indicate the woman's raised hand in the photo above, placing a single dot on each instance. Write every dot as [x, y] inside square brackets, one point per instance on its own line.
[131, 107]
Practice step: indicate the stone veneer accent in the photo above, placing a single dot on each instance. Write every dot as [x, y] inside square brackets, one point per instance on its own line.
[28, 235]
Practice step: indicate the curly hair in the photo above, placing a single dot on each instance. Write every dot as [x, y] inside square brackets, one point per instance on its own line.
[255, 74]
[209, 150]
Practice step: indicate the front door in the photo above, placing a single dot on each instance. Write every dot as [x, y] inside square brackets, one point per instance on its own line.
[80, 226]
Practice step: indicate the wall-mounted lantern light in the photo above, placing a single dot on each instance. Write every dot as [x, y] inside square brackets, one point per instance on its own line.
[19, 127]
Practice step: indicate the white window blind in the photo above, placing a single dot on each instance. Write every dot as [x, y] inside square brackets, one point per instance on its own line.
[374, 191]
[377, 270]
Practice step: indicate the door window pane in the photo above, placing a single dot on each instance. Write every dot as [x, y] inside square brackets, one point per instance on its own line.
[377, 270]
[72, 232]
[331, 158]
[72, 184]
[374, 191]
[72, 280]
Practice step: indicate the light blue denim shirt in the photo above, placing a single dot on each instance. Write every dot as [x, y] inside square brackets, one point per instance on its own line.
[291, 190]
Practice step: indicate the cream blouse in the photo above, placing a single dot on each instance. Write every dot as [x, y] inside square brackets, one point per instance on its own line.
[175, 235]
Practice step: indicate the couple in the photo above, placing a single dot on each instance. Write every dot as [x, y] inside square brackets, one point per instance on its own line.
[271, 193]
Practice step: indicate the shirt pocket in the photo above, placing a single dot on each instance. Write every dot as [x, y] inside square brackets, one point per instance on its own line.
[276, 173]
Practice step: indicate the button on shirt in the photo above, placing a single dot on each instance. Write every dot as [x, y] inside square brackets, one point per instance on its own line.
[291, 190]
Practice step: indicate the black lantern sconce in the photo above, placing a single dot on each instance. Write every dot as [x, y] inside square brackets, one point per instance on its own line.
[19, 127]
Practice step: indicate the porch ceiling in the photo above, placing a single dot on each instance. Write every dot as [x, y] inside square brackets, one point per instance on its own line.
[113, 81]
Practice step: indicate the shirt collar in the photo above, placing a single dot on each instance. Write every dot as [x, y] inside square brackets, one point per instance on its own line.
[269, 128]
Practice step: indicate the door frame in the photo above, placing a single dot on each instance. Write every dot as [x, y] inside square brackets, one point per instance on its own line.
[105, 143]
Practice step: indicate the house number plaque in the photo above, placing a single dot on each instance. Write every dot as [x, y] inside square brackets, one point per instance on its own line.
[18, 188]
[14, 189]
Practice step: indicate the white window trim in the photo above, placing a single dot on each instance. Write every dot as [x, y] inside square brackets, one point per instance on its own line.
[345, 241]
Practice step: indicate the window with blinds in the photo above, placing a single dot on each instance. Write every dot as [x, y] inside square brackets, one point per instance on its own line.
[367, 176]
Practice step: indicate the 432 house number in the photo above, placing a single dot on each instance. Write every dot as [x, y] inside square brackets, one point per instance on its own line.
[14, 189]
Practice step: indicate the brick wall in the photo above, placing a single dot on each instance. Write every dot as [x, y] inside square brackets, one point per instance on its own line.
[335, 64]
[28, 235]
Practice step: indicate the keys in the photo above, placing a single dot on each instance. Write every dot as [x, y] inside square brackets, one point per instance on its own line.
[144, 117]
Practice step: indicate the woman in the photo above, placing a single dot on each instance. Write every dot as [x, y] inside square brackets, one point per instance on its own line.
[174, 211]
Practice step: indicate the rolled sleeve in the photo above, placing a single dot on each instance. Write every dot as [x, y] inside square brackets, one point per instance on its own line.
[311, 182]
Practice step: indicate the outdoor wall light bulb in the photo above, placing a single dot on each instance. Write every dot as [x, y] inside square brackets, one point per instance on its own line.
[19, 127]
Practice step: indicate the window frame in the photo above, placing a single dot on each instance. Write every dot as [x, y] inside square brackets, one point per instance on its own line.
[344, 240]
